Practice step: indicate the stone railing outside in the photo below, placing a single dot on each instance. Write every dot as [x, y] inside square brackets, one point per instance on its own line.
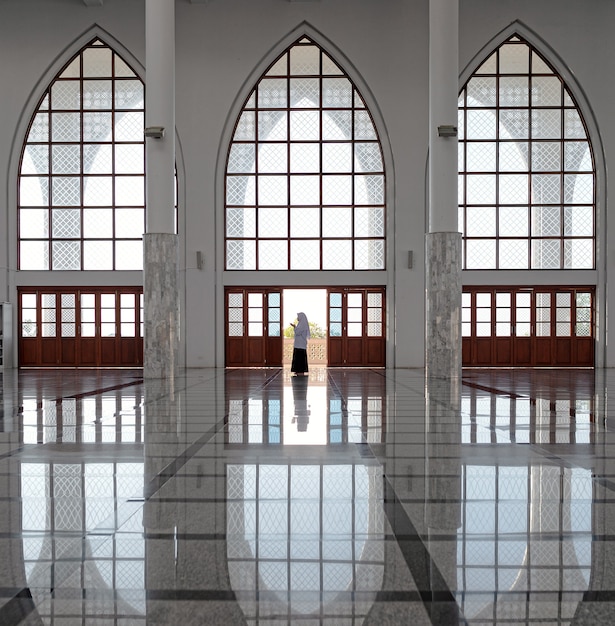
[317, 351]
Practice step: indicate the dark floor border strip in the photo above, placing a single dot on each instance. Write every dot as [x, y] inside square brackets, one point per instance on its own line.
[168, 472]
[207, 595]
[493, 390]
[17, 608]
[438, 599]
[96, 392]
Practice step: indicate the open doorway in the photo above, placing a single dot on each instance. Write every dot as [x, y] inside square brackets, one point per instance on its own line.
[312, 302]
[347, 324]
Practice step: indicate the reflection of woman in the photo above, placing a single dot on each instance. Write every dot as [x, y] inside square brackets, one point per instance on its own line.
[302, 333]
[302, 412]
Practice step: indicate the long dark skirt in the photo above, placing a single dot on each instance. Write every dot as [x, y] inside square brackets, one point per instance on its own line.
[299, 364]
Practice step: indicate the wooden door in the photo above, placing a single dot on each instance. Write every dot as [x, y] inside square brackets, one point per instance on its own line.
[81, 327]
[253, 327]
[356, 327]
[524, 326]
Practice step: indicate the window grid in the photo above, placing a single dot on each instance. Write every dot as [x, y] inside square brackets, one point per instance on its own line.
[305, 184]
[81, 193]
[527, 177]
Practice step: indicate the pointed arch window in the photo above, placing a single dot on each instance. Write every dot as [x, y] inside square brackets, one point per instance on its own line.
[81, 197]
[527, 182]
[305, 180]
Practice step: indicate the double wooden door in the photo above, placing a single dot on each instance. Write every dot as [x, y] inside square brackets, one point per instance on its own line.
[356, 324]
[528, 326]
[253, 327]
[81, 327]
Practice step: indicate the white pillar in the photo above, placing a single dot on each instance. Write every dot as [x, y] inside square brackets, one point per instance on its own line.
[443, 95]
[443, 240]
[160, 111]
[160, 243]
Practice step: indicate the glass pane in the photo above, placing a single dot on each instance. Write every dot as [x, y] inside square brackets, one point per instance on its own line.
[255, 299]
[335, 299]
[374, 329]
[483, 299]
[127, 329]
[235, 329]
[255, 329]
[514, 59]
[127, 315]
[522, 329]
[48, 300]
[483, 329]
[107, 329]
[543, 329]
[88, 330]
[255, 315]
[355, 315]
[374, 299]
[28, 325]
[503, 329]
[28, 300]
[355, 300]
[68, 330]
[354, 329]
[583, 329]
[235, 299]
[337, 254]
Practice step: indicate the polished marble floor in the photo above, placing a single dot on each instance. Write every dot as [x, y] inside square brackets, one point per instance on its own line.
[347, 497]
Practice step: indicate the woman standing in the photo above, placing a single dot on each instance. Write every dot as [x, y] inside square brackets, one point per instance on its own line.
[299, 365]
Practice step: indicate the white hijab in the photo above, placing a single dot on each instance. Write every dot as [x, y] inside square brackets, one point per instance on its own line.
[302, 325]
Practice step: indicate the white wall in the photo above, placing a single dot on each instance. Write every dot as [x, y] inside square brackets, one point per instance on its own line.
[222, 46]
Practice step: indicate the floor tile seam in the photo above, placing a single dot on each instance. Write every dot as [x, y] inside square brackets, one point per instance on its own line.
[397, 516]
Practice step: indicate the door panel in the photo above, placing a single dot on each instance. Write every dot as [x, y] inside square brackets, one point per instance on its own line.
[253, 327]
[356, 327]
[78, 327]
[523, 327]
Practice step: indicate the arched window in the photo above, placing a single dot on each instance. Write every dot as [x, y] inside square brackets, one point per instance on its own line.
[527, 174]
[305, 177]
[81, 197]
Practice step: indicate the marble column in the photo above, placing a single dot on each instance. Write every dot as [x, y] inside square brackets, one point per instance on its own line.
[160, 243]
[443, 241]
[443, 305]
[160, 305]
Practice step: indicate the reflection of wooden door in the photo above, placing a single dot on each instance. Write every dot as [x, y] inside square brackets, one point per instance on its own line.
[356, 327]
[543, 326]
[81, 327]
[253, 327]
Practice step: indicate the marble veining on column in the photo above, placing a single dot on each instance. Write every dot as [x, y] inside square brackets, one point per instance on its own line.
[443, 304]
[161, 305]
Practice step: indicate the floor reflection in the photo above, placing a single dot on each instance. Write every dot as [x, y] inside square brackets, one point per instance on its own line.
[347, 497]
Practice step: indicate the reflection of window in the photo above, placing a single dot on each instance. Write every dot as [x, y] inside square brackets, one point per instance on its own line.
[82, 175]
[111, 416]
[303, 534]
[63, 505]
[527, 177]
[510, 516]
[305, 175]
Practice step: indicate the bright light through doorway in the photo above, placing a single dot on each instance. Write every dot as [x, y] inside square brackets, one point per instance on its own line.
[312, 302]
